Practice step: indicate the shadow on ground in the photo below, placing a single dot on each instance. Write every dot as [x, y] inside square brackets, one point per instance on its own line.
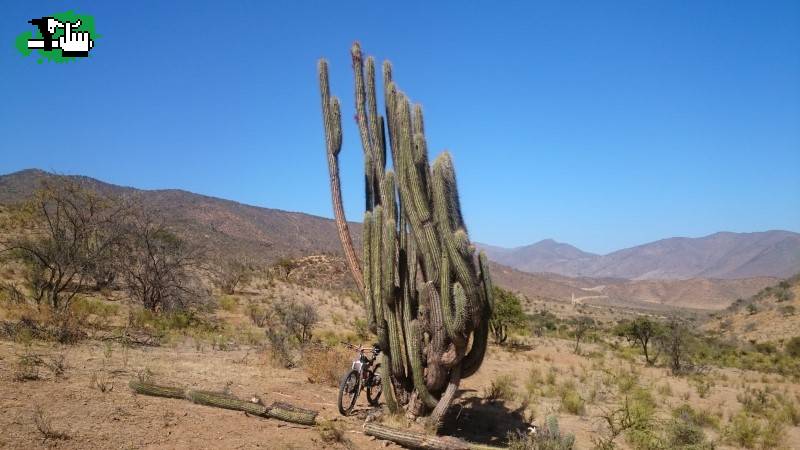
[482, 422]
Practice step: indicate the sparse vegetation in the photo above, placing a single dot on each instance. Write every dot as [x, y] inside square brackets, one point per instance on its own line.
[548, 437]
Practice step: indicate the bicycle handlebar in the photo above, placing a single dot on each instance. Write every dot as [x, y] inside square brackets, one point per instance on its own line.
[357, 347]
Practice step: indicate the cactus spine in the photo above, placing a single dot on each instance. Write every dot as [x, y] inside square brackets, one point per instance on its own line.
[428, 298]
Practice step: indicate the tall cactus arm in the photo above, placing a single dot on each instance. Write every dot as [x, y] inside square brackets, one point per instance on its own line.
[375, 169]
[332, 118]
[376, 267]
[448, 222]
[369, 301]
[375, 124]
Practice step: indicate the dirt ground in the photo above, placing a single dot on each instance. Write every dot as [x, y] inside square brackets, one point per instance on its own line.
[74, 404]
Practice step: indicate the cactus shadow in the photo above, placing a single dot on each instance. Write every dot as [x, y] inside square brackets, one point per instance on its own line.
[477, 420]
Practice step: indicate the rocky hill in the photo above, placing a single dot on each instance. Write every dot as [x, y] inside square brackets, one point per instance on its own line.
[265, 235]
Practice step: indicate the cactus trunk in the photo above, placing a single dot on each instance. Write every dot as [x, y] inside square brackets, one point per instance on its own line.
[427, 296]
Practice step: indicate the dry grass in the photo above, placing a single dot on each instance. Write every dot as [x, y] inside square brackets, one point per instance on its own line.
[325, 365]
[500, 389]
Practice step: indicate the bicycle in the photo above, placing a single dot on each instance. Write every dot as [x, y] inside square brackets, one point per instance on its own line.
[363, 374]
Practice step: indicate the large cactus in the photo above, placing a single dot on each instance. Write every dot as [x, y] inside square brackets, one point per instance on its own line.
[426, 300]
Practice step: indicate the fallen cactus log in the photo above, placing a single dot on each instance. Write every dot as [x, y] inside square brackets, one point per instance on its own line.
[156, 390]
[278, 410]
[411, 439]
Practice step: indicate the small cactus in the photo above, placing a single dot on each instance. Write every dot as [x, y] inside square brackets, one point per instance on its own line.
[428, 297]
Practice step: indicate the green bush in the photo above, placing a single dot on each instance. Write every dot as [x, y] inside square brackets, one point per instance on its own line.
[572, 402]
[96, 314]
[743, 431]
[507, 314]
[684, 434]
[228, 303]
[792, 348]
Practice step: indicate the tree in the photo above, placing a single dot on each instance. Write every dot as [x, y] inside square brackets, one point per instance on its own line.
[158, 266]
[675, 343]
[506, 314]
[233, 272]
[580, 326]
[298, 319]
[642, 332]
[68, 230]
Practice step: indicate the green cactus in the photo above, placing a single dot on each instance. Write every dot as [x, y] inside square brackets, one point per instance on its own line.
[278, 410]
[155, 390]
[427, 296]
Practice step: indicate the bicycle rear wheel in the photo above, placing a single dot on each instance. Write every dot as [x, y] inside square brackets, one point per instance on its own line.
[375, 387]
[349, 389]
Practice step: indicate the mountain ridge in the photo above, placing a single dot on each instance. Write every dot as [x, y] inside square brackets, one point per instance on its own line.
[265, 234]
[723, 255]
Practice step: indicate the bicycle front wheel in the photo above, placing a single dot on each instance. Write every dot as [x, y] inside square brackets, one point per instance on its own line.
[349, 389]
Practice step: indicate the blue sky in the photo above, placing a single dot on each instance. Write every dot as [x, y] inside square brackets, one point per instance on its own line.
[601, 124]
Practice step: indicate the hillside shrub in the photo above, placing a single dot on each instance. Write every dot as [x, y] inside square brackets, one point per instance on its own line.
[792, 348]
[742, 431]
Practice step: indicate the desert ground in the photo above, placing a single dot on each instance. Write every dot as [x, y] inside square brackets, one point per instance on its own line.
[77, 395]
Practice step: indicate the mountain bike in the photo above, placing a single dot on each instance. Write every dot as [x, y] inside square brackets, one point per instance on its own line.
[363, 374]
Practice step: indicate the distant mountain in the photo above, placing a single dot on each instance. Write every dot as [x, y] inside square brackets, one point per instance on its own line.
[236, 230]
[225, 226]
[720, 255]
[659, 295]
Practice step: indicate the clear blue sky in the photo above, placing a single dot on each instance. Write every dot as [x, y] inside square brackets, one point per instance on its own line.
[601, 124]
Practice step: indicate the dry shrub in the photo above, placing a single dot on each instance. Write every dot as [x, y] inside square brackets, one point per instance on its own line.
[101, 381]
[325, 365]
[258, 314]
[45, 426]
[501, 388]
[280, 349]
[26, 367]
[332, 433]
